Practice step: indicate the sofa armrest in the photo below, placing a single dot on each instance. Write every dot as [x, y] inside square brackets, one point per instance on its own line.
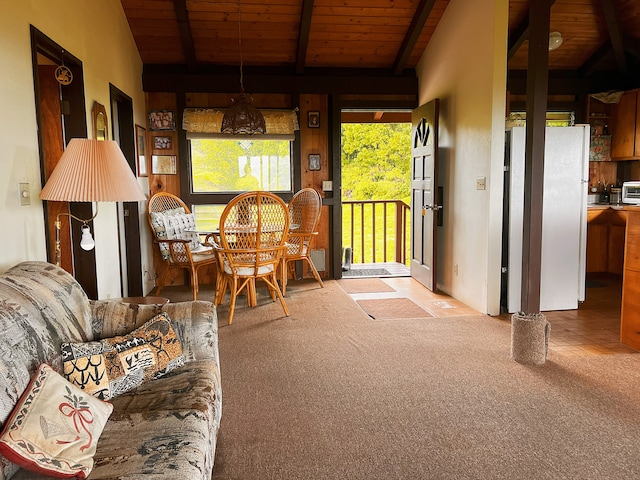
[196, 323]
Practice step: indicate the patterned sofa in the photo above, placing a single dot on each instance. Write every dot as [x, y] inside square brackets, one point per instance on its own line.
[164, 428]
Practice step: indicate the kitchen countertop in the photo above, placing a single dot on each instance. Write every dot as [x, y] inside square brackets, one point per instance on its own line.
[604, 206]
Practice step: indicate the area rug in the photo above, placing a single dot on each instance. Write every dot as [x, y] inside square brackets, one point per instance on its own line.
[366, 272]
[391, 308]
[365, 285]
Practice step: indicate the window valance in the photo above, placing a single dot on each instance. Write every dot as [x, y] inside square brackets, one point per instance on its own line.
[206, 122]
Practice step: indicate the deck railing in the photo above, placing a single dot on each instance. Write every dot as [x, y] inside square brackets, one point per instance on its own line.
[376, 230]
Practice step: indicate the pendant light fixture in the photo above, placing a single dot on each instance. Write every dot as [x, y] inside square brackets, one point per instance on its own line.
[242, 117]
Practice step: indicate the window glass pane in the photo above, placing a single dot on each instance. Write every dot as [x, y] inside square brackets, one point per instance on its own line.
[228, 166]
[207, 217]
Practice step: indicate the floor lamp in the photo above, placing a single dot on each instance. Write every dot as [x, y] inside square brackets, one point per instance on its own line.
[90, 171]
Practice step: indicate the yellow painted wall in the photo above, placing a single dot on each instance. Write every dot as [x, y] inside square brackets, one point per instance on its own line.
[97, 33]
[465, 67]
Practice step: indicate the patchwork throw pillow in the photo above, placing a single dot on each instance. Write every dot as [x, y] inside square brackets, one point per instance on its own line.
[54, 428]
[182, 227]
[113, 366]
[175, 225]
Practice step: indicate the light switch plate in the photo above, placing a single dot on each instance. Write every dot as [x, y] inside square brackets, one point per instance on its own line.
[327, 186]
[481, 183]
[25, 194]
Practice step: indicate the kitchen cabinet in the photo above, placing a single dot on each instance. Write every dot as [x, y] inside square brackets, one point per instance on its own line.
[630, 310]
[625, 130]
[605, 240]
[597, 240]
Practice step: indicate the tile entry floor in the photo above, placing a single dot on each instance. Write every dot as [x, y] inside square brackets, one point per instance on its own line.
[592, 329]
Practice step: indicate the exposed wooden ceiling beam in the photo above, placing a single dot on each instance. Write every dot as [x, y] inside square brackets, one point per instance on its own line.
[615, 34]
[303, 36]
[519, 35]
[186, 39]
[168, 78]
[632, 46]
[591, 64]
[413, 33]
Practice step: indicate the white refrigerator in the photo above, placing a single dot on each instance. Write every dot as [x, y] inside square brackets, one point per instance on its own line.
[564, 224]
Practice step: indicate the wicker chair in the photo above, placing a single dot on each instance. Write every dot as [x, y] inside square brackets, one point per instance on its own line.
[173, 226]
[304, 214]
[252, 236]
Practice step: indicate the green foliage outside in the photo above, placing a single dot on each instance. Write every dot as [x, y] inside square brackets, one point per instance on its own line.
[376, 161]
[219, 165]
[376, 165]
[234, 166]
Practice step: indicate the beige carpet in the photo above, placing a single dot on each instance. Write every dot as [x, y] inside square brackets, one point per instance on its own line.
[365, 285]
[328, 394]
[392, 308]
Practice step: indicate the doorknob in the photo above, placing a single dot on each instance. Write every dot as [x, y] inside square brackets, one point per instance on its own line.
[435, 207]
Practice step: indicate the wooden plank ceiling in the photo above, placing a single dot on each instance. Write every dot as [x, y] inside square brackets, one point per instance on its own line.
[387, 34]
[299, 40]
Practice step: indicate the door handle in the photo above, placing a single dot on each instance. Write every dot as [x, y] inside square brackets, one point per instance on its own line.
[434, 207]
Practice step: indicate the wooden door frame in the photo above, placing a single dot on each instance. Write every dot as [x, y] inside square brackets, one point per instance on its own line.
[125, 127]
[75, 126]
[334, 199]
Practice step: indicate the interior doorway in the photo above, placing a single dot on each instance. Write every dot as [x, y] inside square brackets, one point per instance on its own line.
[61, 116]
[123, 129]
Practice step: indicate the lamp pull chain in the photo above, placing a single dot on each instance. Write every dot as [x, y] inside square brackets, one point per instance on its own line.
[240, 45]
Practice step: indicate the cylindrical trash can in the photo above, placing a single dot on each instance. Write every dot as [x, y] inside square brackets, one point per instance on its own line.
[529, 338]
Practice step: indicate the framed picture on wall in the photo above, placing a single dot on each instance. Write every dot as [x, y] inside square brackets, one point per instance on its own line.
[141, 145]
[163, 165]
[161, 120]
[162, 143]
[313, 119]
[314, 161]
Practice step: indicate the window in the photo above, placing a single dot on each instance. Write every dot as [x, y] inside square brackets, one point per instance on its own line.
[554, 119]
[234, 166]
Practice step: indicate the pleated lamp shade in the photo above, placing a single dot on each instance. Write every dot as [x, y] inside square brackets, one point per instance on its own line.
[92, 171]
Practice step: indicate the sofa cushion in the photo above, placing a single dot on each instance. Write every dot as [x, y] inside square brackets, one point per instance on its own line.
[115, 365]
[55, 427]
[175, 422]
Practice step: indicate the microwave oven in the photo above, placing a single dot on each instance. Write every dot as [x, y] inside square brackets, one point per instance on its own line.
[631, 193]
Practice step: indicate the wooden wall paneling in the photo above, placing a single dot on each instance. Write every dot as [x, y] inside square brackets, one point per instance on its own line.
[164, 183]
[316, 141]
[602, 172]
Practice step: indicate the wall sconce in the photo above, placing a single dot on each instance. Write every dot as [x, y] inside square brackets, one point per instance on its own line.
[90, 171]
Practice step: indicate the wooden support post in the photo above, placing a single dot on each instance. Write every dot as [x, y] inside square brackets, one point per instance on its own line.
[537, 88]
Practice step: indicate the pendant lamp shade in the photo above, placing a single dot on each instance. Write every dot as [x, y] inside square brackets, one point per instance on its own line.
[243, 118]
[92, 171]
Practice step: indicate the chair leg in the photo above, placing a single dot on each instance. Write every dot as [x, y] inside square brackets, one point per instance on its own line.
[315, 272]
[279, 293]
[232, 301]
[194, 282]
[221, 288]
[162, 281]
[284, 273]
